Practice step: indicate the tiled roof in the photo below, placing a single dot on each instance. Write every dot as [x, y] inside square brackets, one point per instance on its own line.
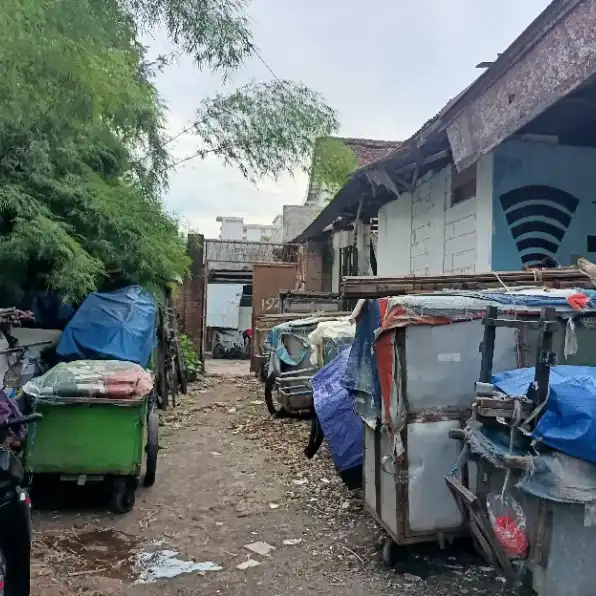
[368, 151]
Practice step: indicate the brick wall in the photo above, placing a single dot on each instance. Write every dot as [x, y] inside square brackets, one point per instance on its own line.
[460, 238]
[310, 267]
[190, 303]
[428, 224]
[422, 233]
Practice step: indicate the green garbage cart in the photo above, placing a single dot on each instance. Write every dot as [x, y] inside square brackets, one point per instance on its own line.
[89, 435]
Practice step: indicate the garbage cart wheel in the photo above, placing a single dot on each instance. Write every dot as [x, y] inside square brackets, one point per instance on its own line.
[390, 553]
[152, 448]
[123, 497]
[269, 397]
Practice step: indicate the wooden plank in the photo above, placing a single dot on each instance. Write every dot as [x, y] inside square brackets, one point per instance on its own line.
[378, 287]
[481, 528]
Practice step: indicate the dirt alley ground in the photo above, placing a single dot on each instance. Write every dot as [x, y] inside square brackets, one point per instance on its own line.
[229, 476]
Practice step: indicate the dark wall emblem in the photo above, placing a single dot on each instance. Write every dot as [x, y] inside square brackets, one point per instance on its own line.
[538, 217]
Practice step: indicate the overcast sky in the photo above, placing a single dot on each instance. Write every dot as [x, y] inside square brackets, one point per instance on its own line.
[385, 65]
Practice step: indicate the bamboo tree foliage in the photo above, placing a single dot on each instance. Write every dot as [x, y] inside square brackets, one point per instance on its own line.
[83, 160]
[333, 164]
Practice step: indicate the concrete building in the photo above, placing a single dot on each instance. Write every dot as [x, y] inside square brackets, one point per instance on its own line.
[501, 178]
[234, 228]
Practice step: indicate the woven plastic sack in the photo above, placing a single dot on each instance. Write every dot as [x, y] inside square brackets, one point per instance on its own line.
[508, 522]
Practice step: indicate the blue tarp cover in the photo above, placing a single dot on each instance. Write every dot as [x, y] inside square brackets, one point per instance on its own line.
[343, 429]
[117, 325]
[569, 422]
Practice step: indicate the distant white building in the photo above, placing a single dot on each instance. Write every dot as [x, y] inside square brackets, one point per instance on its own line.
[234, 228]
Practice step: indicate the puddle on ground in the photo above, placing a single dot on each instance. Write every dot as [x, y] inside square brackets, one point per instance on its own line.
[120, 556]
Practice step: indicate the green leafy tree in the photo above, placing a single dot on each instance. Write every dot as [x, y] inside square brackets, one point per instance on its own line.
[83, 156]
[333, 164]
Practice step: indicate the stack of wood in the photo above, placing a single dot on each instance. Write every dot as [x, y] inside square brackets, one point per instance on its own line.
[560, 277]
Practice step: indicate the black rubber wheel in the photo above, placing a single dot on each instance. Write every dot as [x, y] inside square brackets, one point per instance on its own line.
[269, 397]
[123, 497]
[390, 553]
[152, 448]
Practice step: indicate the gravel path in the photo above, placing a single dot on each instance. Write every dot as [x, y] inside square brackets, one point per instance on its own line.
[230, 476]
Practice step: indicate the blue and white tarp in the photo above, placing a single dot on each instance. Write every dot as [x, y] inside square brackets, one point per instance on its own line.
[342, 428]
[553, 475]
[117, 325]
[569, 422]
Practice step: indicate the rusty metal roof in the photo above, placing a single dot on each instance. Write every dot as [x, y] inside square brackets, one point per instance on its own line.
[368, 151]
[433, 131]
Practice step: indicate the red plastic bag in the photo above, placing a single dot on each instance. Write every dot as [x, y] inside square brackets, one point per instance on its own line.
[509, 524]
[578, 301]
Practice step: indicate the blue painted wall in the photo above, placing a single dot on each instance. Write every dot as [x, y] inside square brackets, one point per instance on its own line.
[544, 203]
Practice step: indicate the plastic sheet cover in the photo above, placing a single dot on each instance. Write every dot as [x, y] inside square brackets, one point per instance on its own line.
[288, 342]
[343, 429]
[569, 422]
[112, 379]
[117, 325]
[552, 475]
[329, 339]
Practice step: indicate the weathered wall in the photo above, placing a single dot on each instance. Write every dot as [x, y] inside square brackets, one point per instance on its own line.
[422, 233]
[556, 65]
[245, 318]
[295, 219]
[310, 267]
[190, 303]
[267, 281]
[343, 239]
[543, 203]
[223, 305]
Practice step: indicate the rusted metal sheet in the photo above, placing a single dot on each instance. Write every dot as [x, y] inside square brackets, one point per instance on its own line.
[310, 302]
[561, 60]
[267, 282]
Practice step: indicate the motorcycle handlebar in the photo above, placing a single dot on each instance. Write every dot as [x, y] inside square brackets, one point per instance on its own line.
[16, 422]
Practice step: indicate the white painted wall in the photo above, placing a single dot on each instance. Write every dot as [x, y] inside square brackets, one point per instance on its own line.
[234, 228]
[421, 233]
[244, 318]
[346, 238]
[223, 305]
[231, 228]
[340, 240]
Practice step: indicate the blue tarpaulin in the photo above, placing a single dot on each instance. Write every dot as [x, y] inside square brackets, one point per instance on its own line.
[569, 422]
[117, 325]
[342, 428]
